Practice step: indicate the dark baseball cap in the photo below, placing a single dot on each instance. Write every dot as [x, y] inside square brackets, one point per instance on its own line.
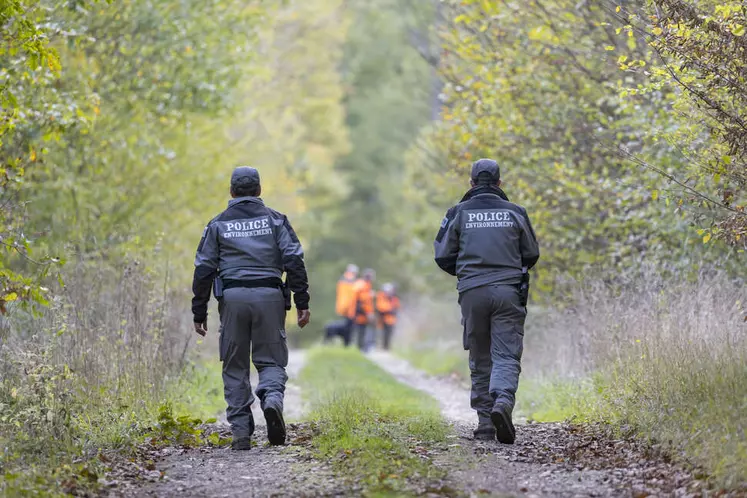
[245, 176]
[486, 166]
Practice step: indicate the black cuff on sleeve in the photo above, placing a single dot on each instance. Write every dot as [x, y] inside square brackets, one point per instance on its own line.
[302, 300]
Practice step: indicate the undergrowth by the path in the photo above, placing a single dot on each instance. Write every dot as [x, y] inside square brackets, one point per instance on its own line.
[373, 429]
[58, 437]
[665, 362]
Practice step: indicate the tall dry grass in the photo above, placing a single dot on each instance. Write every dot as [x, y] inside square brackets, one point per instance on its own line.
[85, 371]
[660, 358]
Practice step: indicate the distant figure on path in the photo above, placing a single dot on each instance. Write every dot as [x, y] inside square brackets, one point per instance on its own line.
[387, 308]
[243, 254]
[488, 243]
[364, 308]
[345, 303]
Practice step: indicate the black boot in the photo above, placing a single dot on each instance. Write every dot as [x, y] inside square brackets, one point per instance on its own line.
[485, 430]
[504, 427]
[241, 443]
[275, 426]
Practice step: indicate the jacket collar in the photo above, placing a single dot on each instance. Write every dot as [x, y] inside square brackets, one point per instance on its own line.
[484, 189]
[238, 200]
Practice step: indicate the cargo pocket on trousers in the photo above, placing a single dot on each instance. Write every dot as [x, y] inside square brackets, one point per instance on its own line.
[282, 353]
[222, 348]
[465, 339]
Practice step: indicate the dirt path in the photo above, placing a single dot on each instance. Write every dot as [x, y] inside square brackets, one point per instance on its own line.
[263, 471]
[553, 460]
[562, 460]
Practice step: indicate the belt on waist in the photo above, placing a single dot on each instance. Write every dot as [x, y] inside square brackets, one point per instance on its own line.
[274, 283]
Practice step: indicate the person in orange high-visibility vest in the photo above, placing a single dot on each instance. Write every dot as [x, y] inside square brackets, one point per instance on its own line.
[345, 302]
[387, 307]
[364, 307]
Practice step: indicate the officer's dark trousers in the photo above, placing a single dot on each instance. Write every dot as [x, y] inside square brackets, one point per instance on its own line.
[494, 334]
[252, 325]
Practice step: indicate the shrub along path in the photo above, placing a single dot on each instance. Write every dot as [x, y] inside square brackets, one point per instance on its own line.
[549, 459]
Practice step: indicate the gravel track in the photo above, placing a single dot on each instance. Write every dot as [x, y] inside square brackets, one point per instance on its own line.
[557, 459]
[548, 460]
[262, 471]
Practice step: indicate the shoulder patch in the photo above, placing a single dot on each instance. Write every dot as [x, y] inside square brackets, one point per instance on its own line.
[450, 215]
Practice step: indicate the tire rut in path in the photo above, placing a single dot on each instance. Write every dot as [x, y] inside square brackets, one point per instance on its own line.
[262, 471]
[549, 459]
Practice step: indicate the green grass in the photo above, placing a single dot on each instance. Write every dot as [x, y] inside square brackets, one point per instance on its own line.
[438, 361]
[53, 430]
[694, 404]
[541, 400]
[691, 401]
[369, 425]
[545, 400]
[199, 390]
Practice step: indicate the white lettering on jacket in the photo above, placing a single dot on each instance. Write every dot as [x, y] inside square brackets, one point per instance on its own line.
[247, 228]
[489, 219]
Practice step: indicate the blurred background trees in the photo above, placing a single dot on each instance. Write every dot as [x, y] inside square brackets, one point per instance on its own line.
[598, 133]
[620, 125]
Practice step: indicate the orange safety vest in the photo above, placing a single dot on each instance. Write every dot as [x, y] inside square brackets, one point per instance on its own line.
[364, 301]
[345, 304]
[387, 307]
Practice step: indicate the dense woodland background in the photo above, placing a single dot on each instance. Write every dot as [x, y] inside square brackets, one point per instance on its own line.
[620, 125]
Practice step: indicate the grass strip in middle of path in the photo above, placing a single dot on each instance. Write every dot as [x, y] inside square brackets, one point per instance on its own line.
[375, 430]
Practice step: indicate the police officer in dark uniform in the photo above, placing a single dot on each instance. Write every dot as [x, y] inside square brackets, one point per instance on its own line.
[243, 254]
[488, 243]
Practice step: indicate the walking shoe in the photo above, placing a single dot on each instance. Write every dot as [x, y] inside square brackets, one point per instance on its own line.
[241, 443]
[483, 433]
[504, 427]
[275, 426]
[485, 430]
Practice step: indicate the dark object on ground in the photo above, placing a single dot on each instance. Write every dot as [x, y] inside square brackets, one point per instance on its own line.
[504, 427]
[275, 426]
[484, 433]
[241, 444]
[339, 328]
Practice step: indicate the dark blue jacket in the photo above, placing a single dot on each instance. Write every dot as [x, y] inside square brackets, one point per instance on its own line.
[486, 239]
[248, 241]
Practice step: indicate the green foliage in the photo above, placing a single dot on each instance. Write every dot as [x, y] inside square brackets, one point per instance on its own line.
[182, 431]
[701, 49]
[688, 400]
[664, 361]
[27, 65]
[437, 360]
[141, 73]
[370, 425]
[387, 101]
[540, 90]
